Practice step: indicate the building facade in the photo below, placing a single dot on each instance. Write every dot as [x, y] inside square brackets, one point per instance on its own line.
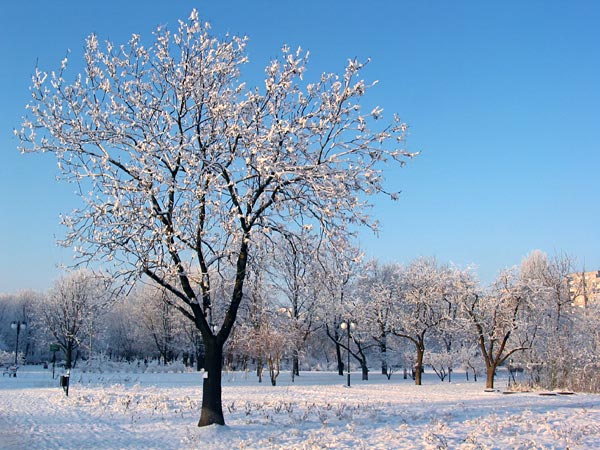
[584, 288]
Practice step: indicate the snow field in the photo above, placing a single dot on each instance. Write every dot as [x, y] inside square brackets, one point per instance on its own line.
[160, 411]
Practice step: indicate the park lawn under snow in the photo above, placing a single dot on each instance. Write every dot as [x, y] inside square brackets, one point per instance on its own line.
[144, 410]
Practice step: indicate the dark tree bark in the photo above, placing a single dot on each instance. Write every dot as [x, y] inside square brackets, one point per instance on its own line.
[69, 355]
[199, 349]
[383, 351]
[338, 348]
[260, 366]
[419, 342]
[490, 376]
[295, 363]
[212, 409]
[419, 363]
[273, 363]
[340, 362]
[494, 358]
[362, 359]
[365, 372]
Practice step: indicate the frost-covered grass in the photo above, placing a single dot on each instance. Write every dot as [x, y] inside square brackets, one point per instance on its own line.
[159, 410]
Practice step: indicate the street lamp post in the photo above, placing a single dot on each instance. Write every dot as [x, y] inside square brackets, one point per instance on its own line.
[348, 325]
[17, 326]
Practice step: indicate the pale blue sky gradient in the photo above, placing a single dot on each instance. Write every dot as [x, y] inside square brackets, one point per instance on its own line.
[503, 99]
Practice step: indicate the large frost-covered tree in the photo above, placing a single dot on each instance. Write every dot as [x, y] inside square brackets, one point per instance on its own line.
[184, 170]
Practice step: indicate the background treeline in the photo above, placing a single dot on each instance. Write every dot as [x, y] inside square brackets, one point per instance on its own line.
[300, 304]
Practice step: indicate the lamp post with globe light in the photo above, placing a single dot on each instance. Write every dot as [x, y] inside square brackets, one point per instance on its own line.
[348, 325]
[18, 325]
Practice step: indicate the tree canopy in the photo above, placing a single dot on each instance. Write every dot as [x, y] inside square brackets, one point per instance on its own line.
[186, 171]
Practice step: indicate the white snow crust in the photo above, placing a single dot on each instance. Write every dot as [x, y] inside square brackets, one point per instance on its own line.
[120, 410]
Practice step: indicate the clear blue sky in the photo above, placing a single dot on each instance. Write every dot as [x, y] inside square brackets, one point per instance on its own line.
[503, 99]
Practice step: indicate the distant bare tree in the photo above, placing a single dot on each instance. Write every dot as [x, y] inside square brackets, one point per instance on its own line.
[421, 305]
[500, 320]
[70, 307]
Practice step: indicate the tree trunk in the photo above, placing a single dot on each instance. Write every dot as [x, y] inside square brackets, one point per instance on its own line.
[199, 362]
[69, 355]
[383, 351]
[212, 410]
[419, 366]
[340, 362]
[365, 370]
[491, 373]
[259, 368]
[295, 363]
[199, 348]
[273, 363]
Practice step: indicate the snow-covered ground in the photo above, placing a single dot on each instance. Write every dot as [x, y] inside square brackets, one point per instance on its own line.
[159, 411]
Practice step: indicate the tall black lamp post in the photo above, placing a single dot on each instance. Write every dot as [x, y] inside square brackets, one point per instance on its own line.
[348, 325]
[17, 326]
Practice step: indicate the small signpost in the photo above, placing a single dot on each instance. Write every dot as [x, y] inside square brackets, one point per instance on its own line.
[54, 348]
[64, 381]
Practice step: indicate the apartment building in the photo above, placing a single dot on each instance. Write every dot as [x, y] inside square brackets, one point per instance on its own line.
[584, 288]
